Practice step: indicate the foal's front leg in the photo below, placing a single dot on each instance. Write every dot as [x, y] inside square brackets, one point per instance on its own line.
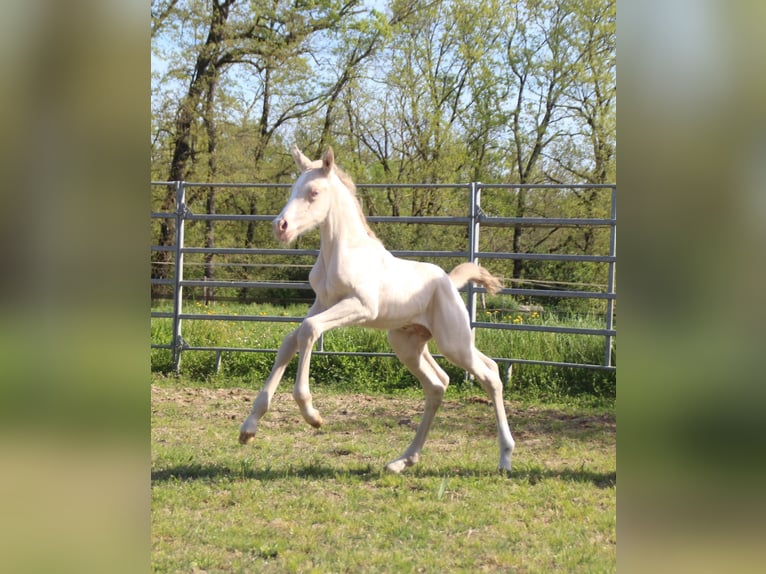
[262, 402]
[347, 312]
[286, 352]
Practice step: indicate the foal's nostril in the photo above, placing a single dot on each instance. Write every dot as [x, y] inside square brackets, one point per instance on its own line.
[280, 224]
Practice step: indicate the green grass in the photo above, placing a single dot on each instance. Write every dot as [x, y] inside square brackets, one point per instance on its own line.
[386, 374]
[302, 500]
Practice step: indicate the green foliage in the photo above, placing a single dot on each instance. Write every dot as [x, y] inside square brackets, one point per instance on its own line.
[419, 92]
[387, 374]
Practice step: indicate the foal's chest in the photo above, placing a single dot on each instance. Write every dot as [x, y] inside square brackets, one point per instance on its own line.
[333, 279]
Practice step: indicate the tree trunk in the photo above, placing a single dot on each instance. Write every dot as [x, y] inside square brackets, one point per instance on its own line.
[212, 143]
[205, 73]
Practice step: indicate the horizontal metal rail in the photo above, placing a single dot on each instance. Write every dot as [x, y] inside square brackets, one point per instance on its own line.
[480, 324]
[545, 328]
[250, 251]
[547, 186]
[248, 284]
[227, 217]
[306, 285]
[547, 257]
[504, 360]
[557, 293]
[249, 318]
[544, 221]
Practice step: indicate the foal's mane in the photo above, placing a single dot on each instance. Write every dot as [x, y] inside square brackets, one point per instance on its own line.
[349, 183]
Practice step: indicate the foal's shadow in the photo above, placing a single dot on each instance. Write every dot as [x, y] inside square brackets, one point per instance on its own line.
[367, 473]
[191, 472]
[535, 475]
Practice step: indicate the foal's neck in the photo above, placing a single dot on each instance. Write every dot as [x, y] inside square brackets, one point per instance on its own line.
[344, 226]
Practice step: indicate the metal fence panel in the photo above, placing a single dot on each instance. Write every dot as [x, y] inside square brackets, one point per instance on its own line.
[472, 222]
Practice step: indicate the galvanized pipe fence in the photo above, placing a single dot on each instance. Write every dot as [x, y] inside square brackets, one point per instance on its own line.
[475, 220]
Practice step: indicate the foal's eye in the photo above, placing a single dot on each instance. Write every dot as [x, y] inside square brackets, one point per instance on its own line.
[313, 194]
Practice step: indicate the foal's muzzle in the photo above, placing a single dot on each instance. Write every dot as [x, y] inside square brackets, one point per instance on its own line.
[280, 228]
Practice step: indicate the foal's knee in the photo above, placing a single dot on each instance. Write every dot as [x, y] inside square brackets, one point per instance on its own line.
[435, 394]
[307, 334]
[491, 383]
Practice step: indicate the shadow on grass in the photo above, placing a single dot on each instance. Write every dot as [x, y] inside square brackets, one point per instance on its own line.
[188, 472]
[367, 473]
[535, 475]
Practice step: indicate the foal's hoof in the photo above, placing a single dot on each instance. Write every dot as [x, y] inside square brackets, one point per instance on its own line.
[504, 467]
[396, 467]
[246, 437]
[316, 422]
[313, 418]
[400, 464]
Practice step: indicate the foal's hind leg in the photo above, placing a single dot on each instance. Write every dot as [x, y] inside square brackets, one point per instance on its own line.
[410, 347]
[454, 339]
[485, 371]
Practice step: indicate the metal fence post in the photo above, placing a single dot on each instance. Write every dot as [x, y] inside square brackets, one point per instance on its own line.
[181, 210]
[477, 222]
[610, 281]
[473, 243]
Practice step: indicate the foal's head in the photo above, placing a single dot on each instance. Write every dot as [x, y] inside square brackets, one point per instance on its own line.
[310, 196]
[313, 195]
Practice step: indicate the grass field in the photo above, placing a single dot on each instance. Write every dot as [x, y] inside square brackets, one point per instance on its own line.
[306, 500]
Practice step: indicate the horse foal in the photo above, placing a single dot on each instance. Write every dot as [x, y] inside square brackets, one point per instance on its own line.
[358, 282]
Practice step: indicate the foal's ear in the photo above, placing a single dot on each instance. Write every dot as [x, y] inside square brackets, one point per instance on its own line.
[328, 160]
[301, 160]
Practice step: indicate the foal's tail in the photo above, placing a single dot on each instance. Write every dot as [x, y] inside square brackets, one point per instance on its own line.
[466, 272]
